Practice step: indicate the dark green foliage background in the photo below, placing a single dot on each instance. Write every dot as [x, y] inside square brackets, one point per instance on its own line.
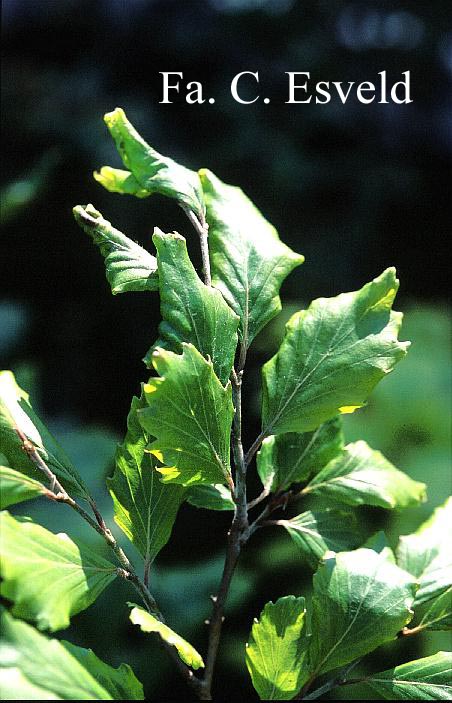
[355, 188]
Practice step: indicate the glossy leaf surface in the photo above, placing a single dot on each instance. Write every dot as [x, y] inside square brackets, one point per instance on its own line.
[128, 266]
[190, 414]
[145, 508]
[16, 412]
[427, 679]
[191, 311]
[360, 601]
[149, 623]
[360, 475]
[427, 554]
[316, 533]
[332, 356]
[35, 667]
[276, 649]
[248, 260]
[294, 457]
[48, 577]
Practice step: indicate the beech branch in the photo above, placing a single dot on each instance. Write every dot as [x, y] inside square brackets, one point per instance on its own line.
[126, 571]
[202, 229]
[237, 537]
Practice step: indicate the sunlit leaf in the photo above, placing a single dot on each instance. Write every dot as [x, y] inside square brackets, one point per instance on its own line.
[329, 530]
[153, 172]
[149, 623]
[294, 457]
[32, 666]
[437, 614]
[211, 497]
[332, 356]
[248, 260]
[128, 266]
[16, 412]
[145, 508]
[48, 577]
[116, 180]
[191, 311]
[190, 414]
[276, 649]
[427, 554]
[427, 679]
[15, 487]
[360, 601]
[360, 475]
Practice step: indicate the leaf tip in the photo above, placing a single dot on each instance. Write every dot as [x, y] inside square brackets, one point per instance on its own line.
[113, 115]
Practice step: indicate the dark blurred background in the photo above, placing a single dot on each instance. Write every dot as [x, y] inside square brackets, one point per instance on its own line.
[353, 187]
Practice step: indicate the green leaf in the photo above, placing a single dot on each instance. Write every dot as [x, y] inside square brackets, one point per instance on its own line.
[427, 679]
[33, 666]
[149, 623]
[249, 262]
[361, 475]
[117, 180]
[379, 543]
[427, 555]
[48, 577]
[332, 356]
[190, 414]
[328, 531]
[360, 601]
[128, 266]
[211, 497]
[153, 172]
[191, 311]
[438, 613]
[121, 683]
[145, 509]
[294, 457]
[16, 487]
[276, 649]
[16, 412]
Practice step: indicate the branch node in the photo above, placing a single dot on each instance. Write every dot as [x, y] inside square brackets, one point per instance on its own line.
[122, 573]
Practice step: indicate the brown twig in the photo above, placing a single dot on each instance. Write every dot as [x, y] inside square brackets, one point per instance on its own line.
[237, 537]
[202, 229]
[254, 447]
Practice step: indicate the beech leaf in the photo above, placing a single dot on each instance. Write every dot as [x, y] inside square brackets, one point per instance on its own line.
[211, 497]
[35, 667]
[15, 487]
[16, 412]
[427, 554]
[248, 260]
[128, 266]
[152, 172]
[48, 577]
[294, 457]
[191, 311]
[276, 649]
[190, 414]
[330, 530]
[332, 356]
[117, 180]
[145, 508]
[149, 623]
[427, 679]
[360, 601]
[360, 475]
